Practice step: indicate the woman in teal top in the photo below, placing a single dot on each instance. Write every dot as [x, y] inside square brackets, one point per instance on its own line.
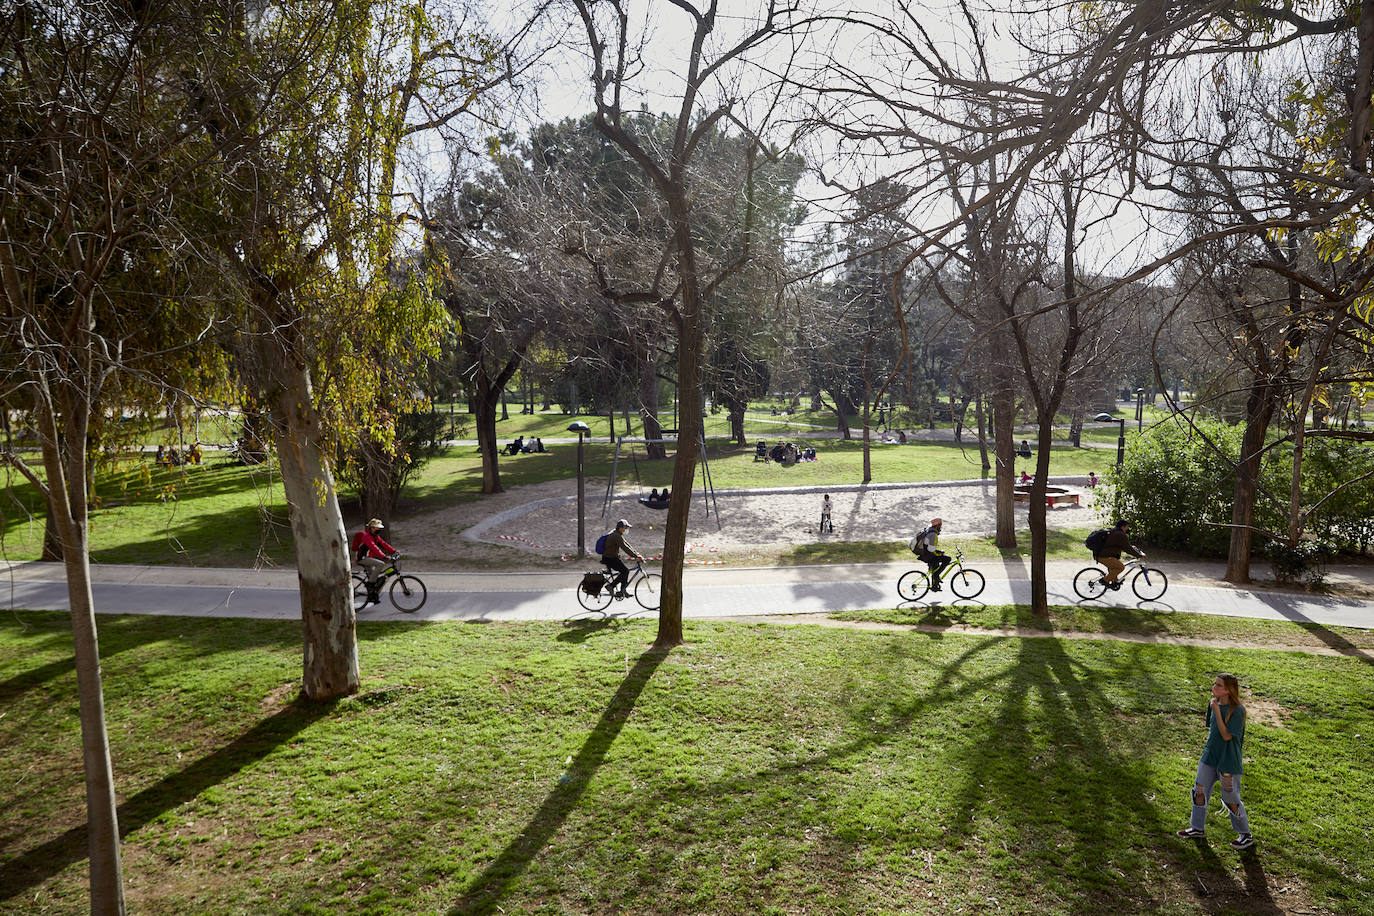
[1222, 762]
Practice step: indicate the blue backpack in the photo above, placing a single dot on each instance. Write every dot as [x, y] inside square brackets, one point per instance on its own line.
[600, 547]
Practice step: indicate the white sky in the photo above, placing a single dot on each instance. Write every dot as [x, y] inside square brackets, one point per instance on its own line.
[560, 88]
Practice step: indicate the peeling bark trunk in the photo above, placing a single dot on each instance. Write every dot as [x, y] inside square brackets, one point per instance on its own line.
[330, 646]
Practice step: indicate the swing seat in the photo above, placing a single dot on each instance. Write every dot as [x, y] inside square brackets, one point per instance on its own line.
[653, 503]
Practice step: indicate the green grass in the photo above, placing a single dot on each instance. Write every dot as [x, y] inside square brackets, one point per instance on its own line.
[546, 768]
[216, 514]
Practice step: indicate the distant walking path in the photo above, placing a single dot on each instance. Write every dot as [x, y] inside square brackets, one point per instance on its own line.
[709, 593]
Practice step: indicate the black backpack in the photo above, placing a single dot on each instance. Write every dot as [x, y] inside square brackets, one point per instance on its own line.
[1095, 540]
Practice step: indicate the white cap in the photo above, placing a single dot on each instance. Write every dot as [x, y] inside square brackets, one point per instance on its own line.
[623, 524]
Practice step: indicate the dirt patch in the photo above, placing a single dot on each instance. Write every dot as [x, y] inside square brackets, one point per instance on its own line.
[1267, 712]
[540, 521]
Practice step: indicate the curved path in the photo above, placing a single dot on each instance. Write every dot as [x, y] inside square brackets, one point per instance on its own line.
[720, 592]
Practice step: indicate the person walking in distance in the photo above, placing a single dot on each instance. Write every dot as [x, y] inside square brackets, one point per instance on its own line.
[826, 524]
[610, 558]
[372, 554]
[923, 545]
[1222, 761]
[1109, 553]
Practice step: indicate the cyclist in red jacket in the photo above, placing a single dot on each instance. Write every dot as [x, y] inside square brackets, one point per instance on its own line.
[371, 552]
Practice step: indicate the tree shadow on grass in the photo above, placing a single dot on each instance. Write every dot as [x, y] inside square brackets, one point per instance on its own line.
[31, 868]
[484, 892]
[1057, 724]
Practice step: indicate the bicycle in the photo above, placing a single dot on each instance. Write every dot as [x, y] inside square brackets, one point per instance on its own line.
[407, 592]
[594, 591]
[1148, 582]
[964, 582]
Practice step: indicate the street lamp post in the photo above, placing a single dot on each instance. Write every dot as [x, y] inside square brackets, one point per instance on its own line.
[1139, 409]
[577, 426]
[1120, 434]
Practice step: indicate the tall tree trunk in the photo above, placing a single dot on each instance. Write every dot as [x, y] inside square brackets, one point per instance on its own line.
[484, 400]
[691, 337]
[52, 540]
[843, 408]
[1259, 410]
[329, 624]
[736, 409]
[981, 419]
[958, 416]
[64, 459]
[1076, 428]
[1003, 432]
[868, 406]
[648, 409]
[1035, 518]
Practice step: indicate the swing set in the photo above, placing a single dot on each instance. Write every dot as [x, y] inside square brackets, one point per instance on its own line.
[659, 503]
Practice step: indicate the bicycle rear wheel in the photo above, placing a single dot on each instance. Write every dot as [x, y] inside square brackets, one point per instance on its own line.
[359, 593]
[913, 585]
[649, 591]
[408, 594]
[597, 602]
[967, 583]
[1088, 583]
[1149, 584]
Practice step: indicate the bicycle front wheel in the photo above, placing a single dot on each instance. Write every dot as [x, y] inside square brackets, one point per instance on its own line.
[1088, 583]
[967, 583]
[913, 585]
[359, 593]
[408, 594]
[1149, 584]
[597, 602]
[649, 591]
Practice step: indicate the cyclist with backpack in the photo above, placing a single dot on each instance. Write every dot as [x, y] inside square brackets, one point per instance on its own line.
[923, 545]
[609, 545]
[1106, 545]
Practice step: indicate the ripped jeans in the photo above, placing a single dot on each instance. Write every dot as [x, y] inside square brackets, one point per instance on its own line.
[1207, 777]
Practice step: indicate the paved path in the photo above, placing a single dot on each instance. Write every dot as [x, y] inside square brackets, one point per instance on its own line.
[710, 593]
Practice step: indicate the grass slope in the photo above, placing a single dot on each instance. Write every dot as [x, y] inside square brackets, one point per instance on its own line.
[550, 768]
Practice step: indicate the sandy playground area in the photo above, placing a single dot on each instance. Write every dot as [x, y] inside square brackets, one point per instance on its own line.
[537, 524]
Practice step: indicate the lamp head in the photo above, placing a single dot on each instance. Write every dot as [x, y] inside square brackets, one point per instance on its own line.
[577, 426]
[1105, 418]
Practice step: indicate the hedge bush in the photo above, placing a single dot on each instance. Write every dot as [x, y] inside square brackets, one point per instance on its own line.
[1176, 490]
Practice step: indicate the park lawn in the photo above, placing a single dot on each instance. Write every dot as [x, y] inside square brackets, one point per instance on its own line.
[223, 514]
[216, 514]
[559, 768]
